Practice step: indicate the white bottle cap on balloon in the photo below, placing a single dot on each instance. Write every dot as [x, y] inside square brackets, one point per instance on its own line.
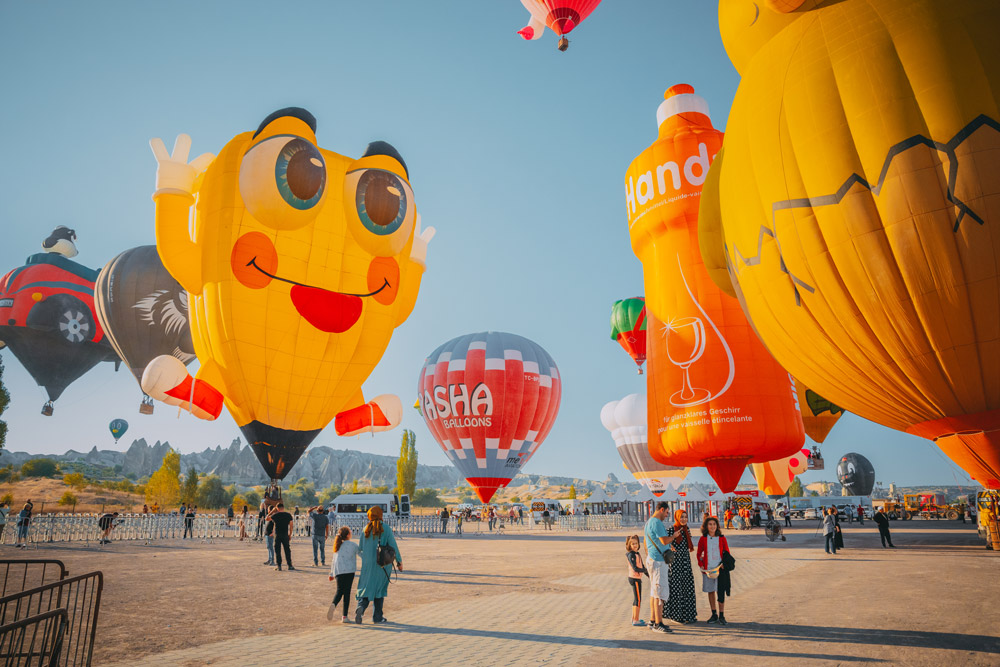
[680, 99]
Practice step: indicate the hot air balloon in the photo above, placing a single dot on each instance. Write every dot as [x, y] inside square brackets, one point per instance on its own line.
[857, 474]
[716, 396]
[774, 477]
[489, 399]
[118, 428]
[144, 312]
[560, 16]
[626, 419]
[628, 327]
[301, 265]
[855, 208]
[47, 311]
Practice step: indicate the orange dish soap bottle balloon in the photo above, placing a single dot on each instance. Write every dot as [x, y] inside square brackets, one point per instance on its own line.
[716, 397]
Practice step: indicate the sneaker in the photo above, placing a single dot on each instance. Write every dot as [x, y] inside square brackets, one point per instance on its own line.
[714, 619]
[290, 568]
[638, 624]
[267, 562]
[722, 620]
[278, 568]
[345, 620]
[651, 625]
[315, 564]
[331, 612]
[664, 628]
[381, 621]
[357, 616]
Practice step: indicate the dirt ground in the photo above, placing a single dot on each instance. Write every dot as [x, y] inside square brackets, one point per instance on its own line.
[930, 601]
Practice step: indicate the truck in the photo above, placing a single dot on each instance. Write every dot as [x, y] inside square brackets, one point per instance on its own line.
[539, 505]
[928, 506]
[359, 503]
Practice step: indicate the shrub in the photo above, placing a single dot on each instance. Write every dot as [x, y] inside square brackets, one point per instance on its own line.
[425, 498]
[68, 498]
[39, 468]
[75, 480]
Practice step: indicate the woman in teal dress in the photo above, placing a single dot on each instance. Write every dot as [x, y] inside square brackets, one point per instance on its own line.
[374, 581]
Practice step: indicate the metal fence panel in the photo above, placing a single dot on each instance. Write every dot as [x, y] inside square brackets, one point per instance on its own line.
[33, 641]
[21, 574]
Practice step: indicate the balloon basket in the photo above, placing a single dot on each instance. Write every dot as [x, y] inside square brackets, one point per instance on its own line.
[145, 408]
[563, 44]
[47, 409]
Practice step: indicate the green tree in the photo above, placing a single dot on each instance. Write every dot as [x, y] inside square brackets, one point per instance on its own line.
[4, 402]
[425, 498]
[330, 493]
[572, 491]
[252, 498]
[7, 498]
[39, 468]
[813, 493]
[302, 493]
[6, 472]
[75, 480]
[212, 494]
[515, 499]
[189, 492]
[68, 499]
[411, 466]
[795, 489]
[401, 467]
[164, 486]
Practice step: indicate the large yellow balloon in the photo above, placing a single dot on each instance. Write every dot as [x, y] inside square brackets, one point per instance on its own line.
[301, 264]
[855, 207]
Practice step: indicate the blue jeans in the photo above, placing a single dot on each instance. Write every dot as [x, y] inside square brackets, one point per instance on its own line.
[831, 543]
[270, 549]
[319, 546]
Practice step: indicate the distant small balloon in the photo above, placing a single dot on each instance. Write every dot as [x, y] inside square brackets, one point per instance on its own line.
[118, 428]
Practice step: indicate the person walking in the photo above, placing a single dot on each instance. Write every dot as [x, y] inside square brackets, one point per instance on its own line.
[374, 581]
[321, 530]
[492, 515]
[711, 545]
[269, 540]
[282, 522]
[681, 605]
[861, 515]
[728, 515]
[242, 523]
[4, 511]
[882, 521]
[829, 531]
[230, 514]
[188, 522]
[635, 571]
[309, 521]
[262, 513]
[459, 516]
[23, 522]
[838, 533]
[520, 516]
[444, 519]
[657, 544]
[345, 564]
[787, 515]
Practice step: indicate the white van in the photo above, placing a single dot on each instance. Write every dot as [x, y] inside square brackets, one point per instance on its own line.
[359, 503]
[539, 505]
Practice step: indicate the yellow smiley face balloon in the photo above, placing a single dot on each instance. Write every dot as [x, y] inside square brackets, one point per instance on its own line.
[855, 203]
[300, 264]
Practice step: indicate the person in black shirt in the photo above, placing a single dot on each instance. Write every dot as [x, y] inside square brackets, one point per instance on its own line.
[189, 522]
[106, 523]
[282, 521]
[261, 517]
[882, 521]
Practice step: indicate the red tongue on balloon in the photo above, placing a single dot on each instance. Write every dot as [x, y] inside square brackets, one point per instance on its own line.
[328, 311]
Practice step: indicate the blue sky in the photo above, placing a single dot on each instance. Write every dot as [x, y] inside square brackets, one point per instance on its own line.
[516, 153]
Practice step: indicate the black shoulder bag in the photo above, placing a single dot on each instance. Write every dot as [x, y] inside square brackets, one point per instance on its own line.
[385, 554]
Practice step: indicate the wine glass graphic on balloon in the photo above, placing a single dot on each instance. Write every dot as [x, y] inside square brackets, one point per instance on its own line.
[685, 345]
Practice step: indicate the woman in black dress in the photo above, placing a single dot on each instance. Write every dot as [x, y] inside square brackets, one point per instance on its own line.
[681, 605]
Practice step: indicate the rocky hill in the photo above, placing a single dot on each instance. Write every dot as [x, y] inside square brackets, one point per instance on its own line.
[238, 464]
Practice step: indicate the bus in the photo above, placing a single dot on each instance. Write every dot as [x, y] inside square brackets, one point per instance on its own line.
[359, 503]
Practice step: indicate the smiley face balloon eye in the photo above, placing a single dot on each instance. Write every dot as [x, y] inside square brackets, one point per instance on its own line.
[300, 174]
[381, 201]
[283, 181]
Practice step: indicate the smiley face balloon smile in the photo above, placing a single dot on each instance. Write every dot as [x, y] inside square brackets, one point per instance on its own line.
[302, 264]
